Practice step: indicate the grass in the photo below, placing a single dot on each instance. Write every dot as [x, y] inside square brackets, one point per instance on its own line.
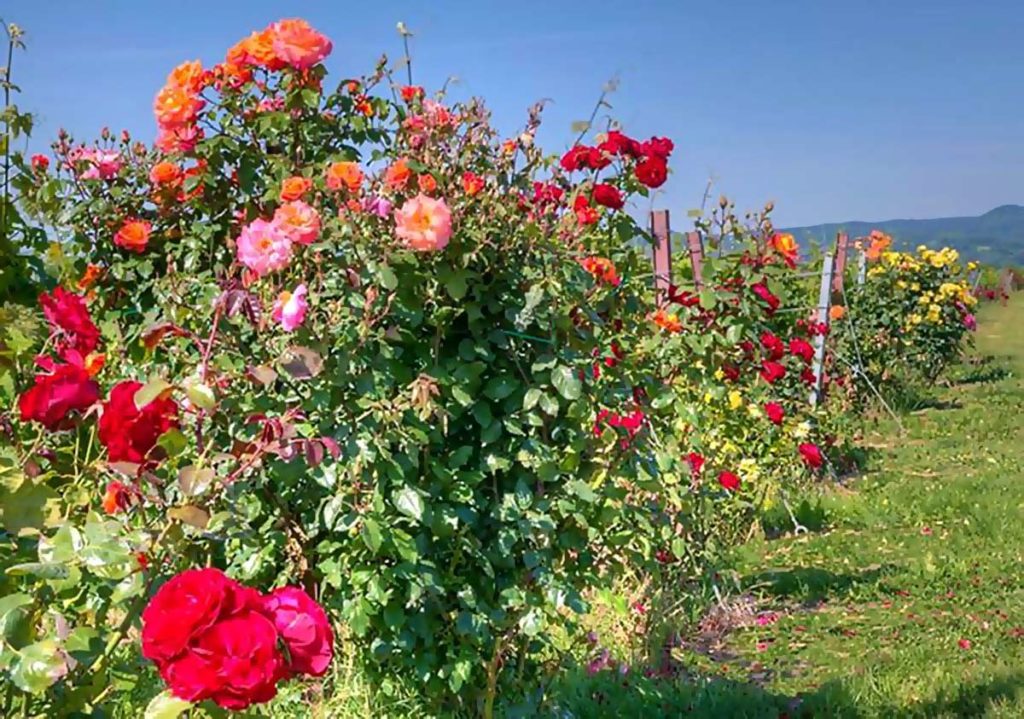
[909, 604]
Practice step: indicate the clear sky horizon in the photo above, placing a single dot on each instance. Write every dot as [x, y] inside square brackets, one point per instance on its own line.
[834, 110]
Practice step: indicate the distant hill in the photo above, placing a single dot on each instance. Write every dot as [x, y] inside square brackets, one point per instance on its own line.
[997, 237]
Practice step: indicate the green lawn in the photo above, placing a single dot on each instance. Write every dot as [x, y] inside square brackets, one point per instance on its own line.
[911, 601]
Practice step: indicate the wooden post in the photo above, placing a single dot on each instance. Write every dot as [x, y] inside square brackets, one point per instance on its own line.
[695, 243]
[824, 302]
[862, 267]
[842, 243]
[662, 255]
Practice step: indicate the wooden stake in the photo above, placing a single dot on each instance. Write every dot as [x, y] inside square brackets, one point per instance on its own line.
[662, 255]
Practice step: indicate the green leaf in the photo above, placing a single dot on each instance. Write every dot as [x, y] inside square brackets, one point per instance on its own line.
[566, 382]
[150, 391]
[13, 612]
[173, 442]
[708, 299]
[498, 388]
[43, 570]
[408, 501]
[531, 398]
[200, 395]
[549, 404]
[166, 706]
[193, 481]
[38, 667]
[372, 535]
[26, 505]
[456, 286]
[387, 276]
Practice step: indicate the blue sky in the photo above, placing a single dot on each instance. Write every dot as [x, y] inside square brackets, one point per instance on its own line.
[835, 110]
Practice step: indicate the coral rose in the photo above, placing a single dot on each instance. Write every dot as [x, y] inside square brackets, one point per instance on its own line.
[188, 76]
[129, 433]
[298, 44]
[303, 625]
[472, 184]
[264, 247]
[117, 498]
[299, 221]
[423, 223]
[133, 235]
[294, 188]
[344, 175]
[603, 269]
[397, 175]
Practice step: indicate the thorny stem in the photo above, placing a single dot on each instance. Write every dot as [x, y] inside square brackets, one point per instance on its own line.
[11, 39]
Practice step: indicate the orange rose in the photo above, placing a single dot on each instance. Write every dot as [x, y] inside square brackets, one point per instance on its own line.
[188, 76]
[165, 173]
[133, 235]
[294, 188]
[426, 182]
[89, 277]
[397, 175]
[471, 183]
[880, 242]
[836, 312]
[668, 321]
[175, 107]
[344, 175]
[363, 106]
[258, 50]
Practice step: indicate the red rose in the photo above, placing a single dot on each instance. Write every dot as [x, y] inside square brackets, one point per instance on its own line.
[69, 317]
[773, 345]
[765, 294]
[128, 433]
[731, 372]
[597, 159]
[585, 214]
[66, 388]
[187, 605]
[547, 193]
[811, 455]
[411, 92]
[243, 652]
[608, 195]
[696, 463]
[729, 481]
[807, 375]
[619, 144]
[575, 159]
[775, 412]
[801, 348]
[652, 171]
[772, 372]
[303, 625]
[40, 163]
[657, 147]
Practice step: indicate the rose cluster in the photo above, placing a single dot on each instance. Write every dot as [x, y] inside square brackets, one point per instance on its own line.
[213, 638]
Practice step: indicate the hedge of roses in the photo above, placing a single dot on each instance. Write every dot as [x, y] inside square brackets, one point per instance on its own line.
[353, 344]
[906, 323]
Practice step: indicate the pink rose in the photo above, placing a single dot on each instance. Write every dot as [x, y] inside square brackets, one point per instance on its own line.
[264, 247]
[423, 223]
[290, 309]
[303, 625]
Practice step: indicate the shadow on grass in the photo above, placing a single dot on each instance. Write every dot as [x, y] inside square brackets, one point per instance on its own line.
[810, 584]
[611, 694]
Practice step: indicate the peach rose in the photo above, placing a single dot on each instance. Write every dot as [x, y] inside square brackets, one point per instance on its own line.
[423, 223]
[298, 44]
[133, 235]
[344, 175]
[299, 221]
